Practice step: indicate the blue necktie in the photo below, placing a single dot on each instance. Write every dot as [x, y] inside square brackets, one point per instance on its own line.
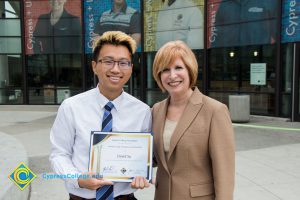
[106, 192]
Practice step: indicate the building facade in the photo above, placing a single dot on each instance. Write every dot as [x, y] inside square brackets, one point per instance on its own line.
[242, 46]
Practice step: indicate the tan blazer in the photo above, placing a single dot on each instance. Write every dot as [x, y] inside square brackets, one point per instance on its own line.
[201, 160]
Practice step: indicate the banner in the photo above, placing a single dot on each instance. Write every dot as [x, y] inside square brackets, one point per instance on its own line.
[290, 31]
[52, 26]
[165, 21]
[239, 23]
[111, 15]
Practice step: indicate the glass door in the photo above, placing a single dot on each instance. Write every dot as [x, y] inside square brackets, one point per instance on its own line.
[296, 96]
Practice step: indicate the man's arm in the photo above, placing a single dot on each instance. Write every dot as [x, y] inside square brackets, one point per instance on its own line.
[62, 137]
[147, 122]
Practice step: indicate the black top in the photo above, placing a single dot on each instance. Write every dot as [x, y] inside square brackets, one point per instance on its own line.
[245, 23]
[63, 37]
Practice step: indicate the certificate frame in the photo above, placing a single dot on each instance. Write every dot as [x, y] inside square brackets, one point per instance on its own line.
[106, 161]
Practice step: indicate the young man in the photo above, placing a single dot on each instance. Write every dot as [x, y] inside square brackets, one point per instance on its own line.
[83, 113]
[120, 18]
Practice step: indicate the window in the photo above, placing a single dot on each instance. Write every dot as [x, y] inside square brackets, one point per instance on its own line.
[10, 53]
[52, 78]
[53, 50]
[229, 73]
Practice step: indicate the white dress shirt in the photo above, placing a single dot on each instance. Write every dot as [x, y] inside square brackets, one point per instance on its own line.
[70, 135]
[180, 21]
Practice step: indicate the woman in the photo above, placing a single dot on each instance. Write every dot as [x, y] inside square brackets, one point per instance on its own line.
[57, 31]
[193, 136]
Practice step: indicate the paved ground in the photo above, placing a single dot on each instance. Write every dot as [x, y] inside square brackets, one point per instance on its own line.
[267, 157]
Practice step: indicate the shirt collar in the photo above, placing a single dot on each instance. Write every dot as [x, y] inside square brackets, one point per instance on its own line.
[123, 10]
[103, 100]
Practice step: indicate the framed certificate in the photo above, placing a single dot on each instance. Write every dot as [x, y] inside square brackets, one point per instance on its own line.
[119, 157]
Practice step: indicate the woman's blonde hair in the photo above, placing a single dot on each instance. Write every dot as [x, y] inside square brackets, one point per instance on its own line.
[168, 53]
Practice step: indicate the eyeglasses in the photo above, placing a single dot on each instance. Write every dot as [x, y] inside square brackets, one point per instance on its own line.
[123, 64]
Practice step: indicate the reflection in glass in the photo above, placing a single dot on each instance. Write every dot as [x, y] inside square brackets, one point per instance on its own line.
[90, 78]
[136, 77]
[223, 70]
[10, 79]
[231, 74]
[222, 97]
[200, 58]
[10, 45]
[263, 104]
[10, 27]
[11, 96]
[68, 70]
[52, 78]
[10, 71]
[9, 9]
[153, 93]
[287, 70]
[287, 77]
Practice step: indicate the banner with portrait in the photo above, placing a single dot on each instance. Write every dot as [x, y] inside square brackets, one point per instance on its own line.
[178, 20]
[239, 23]
[290, 31]
[111, 15]
[52, 27]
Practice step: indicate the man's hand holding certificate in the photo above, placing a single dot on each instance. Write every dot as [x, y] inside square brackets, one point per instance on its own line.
[120, 157]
